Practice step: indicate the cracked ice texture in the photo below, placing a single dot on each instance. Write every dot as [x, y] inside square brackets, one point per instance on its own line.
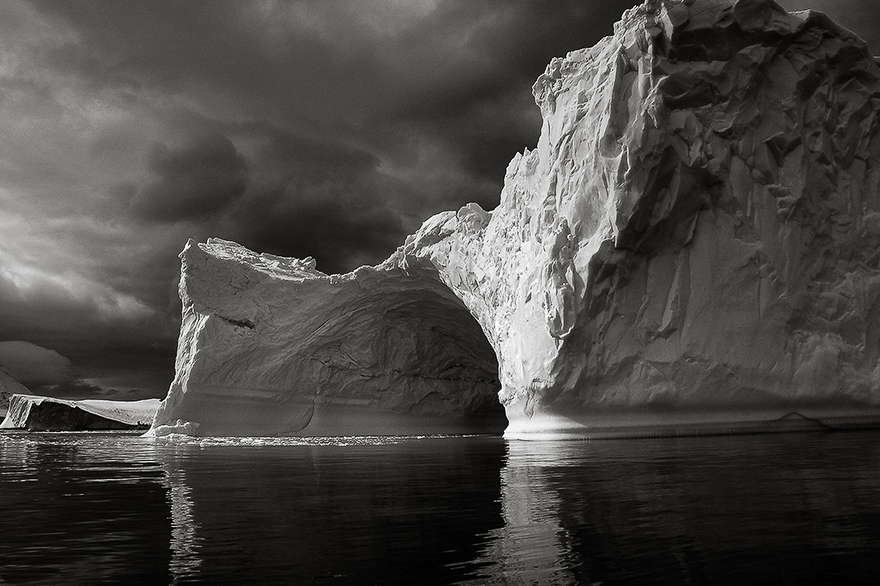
[695, 240]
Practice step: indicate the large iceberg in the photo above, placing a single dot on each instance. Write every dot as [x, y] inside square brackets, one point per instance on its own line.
[36, 413]
[692, 246]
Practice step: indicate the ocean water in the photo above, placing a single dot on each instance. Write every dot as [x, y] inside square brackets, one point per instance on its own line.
[115, 508]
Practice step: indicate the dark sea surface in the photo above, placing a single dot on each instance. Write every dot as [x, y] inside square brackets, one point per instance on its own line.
[113, 508]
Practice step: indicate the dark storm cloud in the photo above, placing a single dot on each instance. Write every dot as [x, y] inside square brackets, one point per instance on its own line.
[33, 365]
[475, 94]
[97, 333]
[193, 182]
[319, 199]
[457, 77]
[259, 59]
[341, 233]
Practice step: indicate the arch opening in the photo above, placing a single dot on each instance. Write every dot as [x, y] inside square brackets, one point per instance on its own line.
[415, 350]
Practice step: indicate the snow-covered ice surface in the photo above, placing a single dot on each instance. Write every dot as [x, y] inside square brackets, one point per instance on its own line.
[36, 413]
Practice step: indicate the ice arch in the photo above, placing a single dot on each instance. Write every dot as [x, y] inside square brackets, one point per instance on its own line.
[271, 346]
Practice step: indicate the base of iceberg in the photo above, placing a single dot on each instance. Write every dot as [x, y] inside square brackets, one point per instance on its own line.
[674, 423]
[206, 414]
[35, 413]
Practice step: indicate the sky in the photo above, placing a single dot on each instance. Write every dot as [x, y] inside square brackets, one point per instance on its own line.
[324, 128]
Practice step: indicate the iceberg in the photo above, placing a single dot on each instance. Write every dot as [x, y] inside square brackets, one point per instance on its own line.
[36, 413]
[692, 247]
[9, 387]
[269, 345]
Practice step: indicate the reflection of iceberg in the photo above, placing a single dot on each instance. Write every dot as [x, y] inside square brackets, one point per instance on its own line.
[185, 540]
[346, 510]
[717, 510]
[184, 529]
[531, 547]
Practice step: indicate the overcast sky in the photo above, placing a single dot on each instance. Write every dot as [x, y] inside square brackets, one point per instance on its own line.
[302, 128]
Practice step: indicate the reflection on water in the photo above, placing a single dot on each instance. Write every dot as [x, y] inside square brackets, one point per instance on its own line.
[793, 508]
[85, 508]
[529, 547]
[81, 509]
[398, 512]
[185, 538]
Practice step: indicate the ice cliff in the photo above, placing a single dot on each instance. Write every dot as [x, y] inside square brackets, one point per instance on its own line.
[36, 413]
[9, 387]
[693, 245]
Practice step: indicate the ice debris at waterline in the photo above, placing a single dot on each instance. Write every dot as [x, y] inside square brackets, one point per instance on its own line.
[35, 413]
[692, 246]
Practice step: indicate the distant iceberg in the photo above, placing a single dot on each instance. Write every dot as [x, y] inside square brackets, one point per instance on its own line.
[9, 387]
[35, 413]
